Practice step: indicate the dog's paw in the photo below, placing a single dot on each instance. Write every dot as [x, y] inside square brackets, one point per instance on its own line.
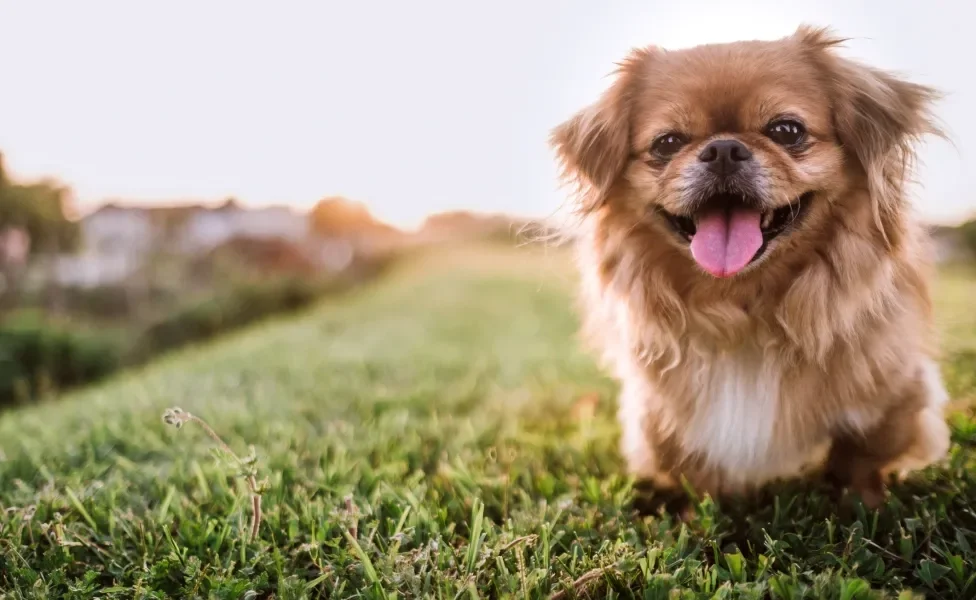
[870, 488]
[652, 500]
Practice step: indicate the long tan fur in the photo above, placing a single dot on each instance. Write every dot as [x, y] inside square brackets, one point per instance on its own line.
[827, 343]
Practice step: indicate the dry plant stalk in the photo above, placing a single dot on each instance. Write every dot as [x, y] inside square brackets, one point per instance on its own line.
[583, 582]
[178, 417]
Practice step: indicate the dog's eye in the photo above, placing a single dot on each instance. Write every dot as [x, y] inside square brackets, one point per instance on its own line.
[786, 132]
[667, 145]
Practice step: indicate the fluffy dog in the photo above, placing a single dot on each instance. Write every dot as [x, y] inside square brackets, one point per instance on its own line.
[750, 267]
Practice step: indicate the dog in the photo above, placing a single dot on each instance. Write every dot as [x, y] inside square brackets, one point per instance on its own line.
[750, 268]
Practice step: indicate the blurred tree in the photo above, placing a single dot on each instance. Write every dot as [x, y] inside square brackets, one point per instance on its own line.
[41, 210]
[337, 216]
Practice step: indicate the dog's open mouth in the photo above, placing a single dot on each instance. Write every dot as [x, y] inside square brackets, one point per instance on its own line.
[729, 232]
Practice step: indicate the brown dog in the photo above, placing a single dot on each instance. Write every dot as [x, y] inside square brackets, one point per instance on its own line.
[750, 268]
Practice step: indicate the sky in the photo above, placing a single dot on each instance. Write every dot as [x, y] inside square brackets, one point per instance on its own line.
[412, 107]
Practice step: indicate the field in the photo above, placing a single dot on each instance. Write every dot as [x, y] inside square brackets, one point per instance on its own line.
[435, 434]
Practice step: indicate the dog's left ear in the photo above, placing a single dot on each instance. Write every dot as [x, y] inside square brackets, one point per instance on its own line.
[878, 117]
[594, 144]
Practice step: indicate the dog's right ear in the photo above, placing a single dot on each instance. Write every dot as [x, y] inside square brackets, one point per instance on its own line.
[593, 146]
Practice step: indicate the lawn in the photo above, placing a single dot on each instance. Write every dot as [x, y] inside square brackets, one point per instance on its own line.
[433, 434]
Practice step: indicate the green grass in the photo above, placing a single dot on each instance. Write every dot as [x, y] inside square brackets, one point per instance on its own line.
[418, 440]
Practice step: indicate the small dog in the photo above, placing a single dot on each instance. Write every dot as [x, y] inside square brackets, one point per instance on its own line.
[750, 268]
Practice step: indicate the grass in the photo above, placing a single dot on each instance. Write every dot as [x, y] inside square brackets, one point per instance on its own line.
[425, 437]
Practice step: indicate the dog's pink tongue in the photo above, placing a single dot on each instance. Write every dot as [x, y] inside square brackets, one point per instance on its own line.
[726, 240]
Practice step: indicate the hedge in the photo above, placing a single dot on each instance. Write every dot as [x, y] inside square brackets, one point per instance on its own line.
[39, 356]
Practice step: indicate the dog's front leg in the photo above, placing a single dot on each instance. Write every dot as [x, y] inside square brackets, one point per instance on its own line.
[912, 435]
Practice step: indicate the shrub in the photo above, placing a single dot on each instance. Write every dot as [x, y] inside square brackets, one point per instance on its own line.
[114, 301]
[241, 305]
[967, 232]
[38, 357]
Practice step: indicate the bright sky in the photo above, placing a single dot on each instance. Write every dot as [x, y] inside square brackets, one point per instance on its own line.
[412, 107]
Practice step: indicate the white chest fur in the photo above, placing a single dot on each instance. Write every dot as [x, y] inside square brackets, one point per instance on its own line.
[736, 399]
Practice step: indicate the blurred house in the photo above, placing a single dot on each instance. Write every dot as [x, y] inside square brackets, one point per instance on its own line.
[190, 229]
[89, 270]
[207, 229]
[118, 240]
[114, 229]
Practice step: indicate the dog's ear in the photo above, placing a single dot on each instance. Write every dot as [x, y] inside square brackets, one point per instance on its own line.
[593, 146]
[878, 117]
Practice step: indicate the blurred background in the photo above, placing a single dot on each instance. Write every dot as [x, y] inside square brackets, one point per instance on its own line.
[174, 171]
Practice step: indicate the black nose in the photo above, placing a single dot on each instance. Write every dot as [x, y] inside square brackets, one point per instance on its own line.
[724, 156]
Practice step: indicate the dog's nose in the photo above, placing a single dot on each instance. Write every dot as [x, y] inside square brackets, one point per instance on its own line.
[724, 157]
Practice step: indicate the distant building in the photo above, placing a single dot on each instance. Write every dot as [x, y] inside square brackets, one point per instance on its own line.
[117, 239]
[207, 229]
[91, 269]
[113, 229]
[116, 229]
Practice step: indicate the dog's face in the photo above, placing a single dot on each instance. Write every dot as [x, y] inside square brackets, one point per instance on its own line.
[731, 152]
[732, 146]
